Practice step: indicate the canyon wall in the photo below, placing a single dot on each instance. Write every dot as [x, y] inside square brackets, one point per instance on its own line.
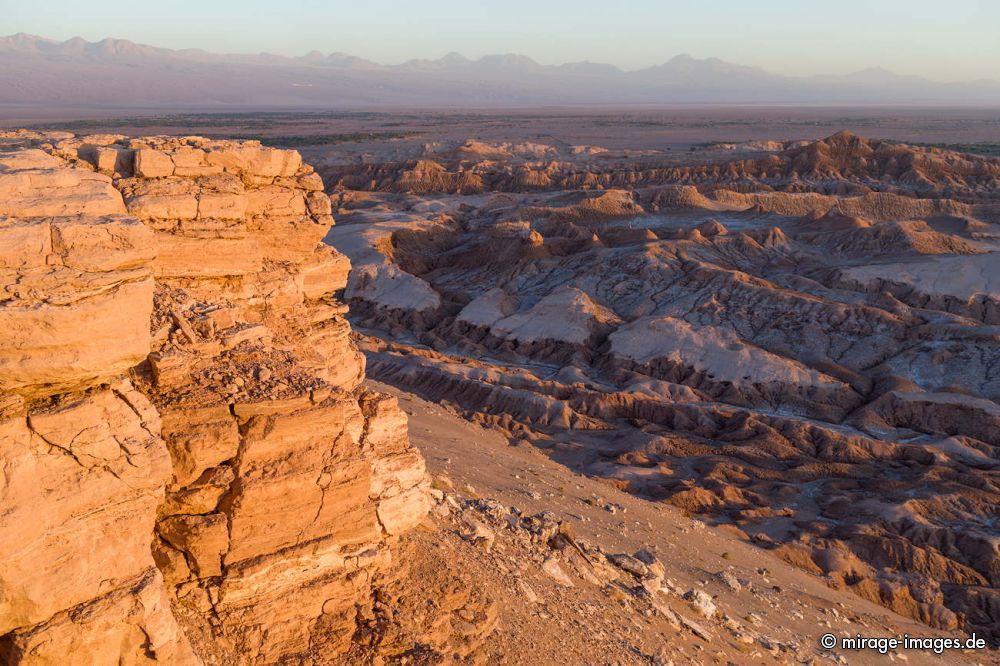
[189, 469]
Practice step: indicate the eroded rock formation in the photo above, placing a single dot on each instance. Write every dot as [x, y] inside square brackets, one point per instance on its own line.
[802, 345]
[189, 469]
[843, 164]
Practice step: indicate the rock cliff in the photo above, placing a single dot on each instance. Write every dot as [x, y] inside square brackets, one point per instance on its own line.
[190, 471]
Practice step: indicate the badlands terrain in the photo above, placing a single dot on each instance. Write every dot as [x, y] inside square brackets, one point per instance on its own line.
[408, 397]
[799, 342]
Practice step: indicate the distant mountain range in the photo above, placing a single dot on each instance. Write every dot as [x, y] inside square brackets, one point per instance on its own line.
[117, 73]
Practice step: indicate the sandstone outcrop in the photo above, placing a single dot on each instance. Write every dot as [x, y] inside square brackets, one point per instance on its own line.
[84, 464]
[192, 472]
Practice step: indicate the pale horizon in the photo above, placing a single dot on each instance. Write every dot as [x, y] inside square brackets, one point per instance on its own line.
[947, 46]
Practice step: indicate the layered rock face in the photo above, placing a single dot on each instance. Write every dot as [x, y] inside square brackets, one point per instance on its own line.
[183, 435]
[84, 466]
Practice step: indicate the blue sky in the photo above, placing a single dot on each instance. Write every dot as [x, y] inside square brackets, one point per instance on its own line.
[954, 40]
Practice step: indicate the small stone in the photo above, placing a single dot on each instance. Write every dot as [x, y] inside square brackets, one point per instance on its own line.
[695, 628]
[701, 602]
[478, 534]
[768, 644]
[628, 563]
[729, 580]
[555, 571]
[655, 566]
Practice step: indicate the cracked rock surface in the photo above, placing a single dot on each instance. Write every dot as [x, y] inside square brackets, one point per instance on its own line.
[191, 470]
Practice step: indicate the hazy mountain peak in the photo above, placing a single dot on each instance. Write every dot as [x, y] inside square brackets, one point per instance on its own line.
[25, 39]
[37, 70]
[508, 61]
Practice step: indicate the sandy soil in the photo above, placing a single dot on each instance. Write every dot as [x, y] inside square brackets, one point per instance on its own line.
[584, 624]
